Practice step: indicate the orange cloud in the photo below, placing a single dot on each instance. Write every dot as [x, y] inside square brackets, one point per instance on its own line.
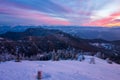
[108, 21]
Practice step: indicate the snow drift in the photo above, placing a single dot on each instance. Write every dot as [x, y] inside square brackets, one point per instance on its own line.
[60, 70]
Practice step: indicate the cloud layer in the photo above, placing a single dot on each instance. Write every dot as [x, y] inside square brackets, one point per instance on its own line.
[60, 12]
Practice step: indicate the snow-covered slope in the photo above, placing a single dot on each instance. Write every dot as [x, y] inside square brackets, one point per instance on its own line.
[60, 70]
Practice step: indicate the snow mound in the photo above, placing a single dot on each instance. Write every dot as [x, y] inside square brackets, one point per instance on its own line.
[60, 70]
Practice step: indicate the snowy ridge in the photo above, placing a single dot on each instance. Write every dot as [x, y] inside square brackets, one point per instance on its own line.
[60, 70]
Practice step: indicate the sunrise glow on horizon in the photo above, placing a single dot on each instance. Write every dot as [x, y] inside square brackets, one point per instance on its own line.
[60, 12]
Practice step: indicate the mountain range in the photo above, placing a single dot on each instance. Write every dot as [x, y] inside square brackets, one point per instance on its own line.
[85, 32]
[49, 39]
[55, 38]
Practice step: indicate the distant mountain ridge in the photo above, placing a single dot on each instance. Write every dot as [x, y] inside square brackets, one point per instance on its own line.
[87, 32]
[14, 35]
[105, 33]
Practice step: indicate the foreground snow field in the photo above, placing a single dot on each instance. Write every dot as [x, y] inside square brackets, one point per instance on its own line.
[60, 70]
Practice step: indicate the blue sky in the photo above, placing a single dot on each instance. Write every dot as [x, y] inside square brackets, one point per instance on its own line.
[60, 12]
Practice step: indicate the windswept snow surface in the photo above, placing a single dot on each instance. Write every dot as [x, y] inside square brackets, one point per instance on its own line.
[60, 70]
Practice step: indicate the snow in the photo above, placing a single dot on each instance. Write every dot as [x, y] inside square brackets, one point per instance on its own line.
[60, 70]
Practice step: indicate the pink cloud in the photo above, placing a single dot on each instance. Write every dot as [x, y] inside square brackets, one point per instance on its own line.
[33, 15]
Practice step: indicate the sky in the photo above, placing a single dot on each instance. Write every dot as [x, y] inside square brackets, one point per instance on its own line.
[104, 13]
